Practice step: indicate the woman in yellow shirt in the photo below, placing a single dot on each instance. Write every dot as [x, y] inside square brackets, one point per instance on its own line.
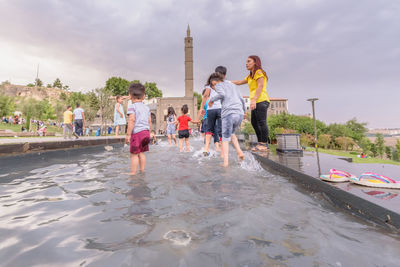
[259, 100]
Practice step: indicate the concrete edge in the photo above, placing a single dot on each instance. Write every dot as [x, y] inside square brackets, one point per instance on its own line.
[33, 147]
[338, 197]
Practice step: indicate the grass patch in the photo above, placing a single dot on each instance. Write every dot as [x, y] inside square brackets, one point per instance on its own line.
[356, 159]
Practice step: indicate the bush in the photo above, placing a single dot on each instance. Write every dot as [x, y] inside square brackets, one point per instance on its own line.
[353, 153]
[248, 129]
[324, 140]
[307, 140]
[344, 142]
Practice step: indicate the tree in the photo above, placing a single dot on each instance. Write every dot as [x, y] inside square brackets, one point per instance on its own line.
[57, 83]
[344, 142]
[358, 129]
[38, 82]
[49, 85]
[117, 86]
[105, 105]
[76, 98]
[388, 152]
[65, 87]
[324, 140]
[7, 105]
[306, 139]
[374, 151]
[365, 145]
[152, 91]
[30, 85]
[199, 99]
[398, 149]
[46, 110]
[380, 144]
[63, 96]
[339, 130]
[40, 110]
[92, 106]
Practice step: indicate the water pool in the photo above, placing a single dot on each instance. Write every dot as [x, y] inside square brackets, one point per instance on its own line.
[81, 209]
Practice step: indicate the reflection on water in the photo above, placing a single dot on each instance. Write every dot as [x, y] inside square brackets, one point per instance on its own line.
[185, 210]
[381, 194]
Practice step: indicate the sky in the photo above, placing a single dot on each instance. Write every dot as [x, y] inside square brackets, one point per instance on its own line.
[344, 52]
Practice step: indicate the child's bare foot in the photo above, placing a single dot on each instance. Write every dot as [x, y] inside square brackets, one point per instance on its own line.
[132, 173]
[224, 165]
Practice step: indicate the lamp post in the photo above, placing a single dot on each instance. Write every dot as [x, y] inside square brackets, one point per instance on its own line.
[312, 100]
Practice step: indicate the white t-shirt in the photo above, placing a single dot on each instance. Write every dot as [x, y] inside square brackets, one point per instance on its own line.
[78, 113]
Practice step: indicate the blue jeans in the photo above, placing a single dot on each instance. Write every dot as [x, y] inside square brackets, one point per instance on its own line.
[230, 124]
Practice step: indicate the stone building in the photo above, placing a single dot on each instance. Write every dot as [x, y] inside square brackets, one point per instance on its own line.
[159, 109]
[277, 105]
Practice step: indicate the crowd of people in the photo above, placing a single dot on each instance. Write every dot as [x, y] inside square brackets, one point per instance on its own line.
[222, 111]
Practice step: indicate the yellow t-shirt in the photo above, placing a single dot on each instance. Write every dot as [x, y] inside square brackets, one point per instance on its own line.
[252, 82]
[68, 117]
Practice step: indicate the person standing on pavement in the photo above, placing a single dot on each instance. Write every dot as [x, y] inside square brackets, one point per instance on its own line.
[79, 119]
[68, 124]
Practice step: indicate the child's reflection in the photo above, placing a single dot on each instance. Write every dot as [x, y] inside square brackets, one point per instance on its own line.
[140, 194]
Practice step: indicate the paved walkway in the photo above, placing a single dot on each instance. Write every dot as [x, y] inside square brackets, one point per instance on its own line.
[22, 140]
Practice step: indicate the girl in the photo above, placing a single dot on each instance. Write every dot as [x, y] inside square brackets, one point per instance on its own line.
[119, 116]
[259, 100]
[171, 123]
[183, 128]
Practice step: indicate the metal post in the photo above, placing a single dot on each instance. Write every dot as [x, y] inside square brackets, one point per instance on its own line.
[312, 100]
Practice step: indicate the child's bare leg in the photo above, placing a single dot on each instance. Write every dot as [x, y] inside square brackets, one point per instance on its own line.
[187, 144]
[217, 148]
[222, 149]
[236, 145]
[181, 145]
[142, 161]
[225, 148]
[134, 163]
[169, 140]
[117, 131]
[174, 138]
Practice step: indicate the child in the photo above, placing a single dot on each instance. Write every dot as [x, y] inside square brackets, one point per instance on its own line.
[119, 116]
[138, 135]
[233, 110]
[171, 123]
[183, 128]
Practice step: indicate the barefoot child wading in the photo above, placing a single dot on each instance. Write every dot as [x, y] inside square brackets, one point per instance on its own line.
[183, 128]
[233, 110]
[138, 135]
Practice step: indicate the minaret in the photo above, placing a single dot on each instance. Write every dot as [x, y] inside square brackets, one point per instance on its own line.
[188, 64]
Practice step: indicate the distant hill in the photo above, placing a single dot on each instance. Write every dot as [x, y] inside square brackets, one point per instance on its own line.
[38, 93]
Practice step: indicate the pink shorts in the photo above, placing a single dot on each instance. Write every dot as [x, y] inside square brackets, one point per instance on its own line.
[140, 142]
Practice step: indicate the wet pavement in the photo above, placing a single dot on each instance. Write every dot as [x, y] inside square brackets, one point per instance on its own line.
[388, 198]
[186, 210]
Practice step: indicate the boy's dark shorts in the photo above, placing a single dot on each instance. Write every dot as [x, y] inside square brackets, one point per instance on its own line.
[140, 142]
[183, 134]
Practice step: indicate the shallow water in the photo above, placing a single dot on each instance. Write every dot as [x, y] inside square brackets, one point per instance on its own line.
[185, 210]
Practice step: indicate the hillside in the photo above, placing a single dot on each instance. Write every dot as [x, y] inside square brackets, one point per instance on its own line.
[38, 93]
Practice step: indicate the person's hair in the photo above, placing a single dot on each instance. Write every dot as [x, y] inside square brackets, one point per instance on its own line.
[257, 67]
[69, 107]
[204, 90]
[216, 76]
[185, 109]
[221, 69]
[137, 90]
[171, 111]
[78, 105]
[118, 97]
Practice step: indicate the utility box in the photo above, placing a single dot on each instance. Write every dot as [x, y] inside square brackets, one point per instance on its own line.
[289, 143]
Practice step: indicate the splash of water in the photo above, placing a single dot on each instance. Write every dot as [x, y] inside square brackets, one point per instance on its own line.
[250, 163]
[178, 237]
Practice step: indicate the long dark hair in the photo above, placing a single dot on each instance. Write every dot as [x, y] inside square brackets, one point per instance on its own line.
[171, 111]
[216, 76]
[258, 66]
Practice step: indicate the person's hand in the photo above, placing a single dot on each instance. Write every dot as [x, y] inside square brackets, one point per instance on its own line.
[202, 111]
[127, 139]
[210, 104]
[121, 115]
[245, 116]
[253, 104]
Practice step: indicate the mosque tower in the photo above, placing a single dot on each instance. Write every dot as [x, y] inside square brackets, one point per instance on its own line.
[188, 64]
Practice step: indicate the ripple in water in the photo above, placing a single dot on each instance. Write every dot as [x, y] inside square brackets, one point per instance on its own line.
[178, 237]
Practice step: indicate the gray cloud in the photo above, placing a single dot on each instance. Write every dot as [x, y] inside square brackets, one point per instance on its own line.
[344, 52]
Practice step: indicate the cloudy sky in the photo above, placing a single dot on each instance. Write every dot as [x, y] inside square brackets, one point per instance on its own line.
[345, 52]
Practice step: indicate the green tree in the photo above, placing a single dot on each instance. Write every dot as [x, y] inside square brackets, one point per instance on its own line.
[38, 82]
[105, 105]
[380, 144]
[7, 105]
[339, 130]
[46, 110]
[398, 149]
[117, 86]
[324, 140]
[374, 150]
[365, 145]
[358, 129]
[63, 96]
[6, 82]
[307, 139]
[30, 85]
[92, 106]
[388, 152]
[57, 83]
[49, 85]
[76, 98]
[344, 142]
[199, 99]
[65, 87]
[152, 91]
